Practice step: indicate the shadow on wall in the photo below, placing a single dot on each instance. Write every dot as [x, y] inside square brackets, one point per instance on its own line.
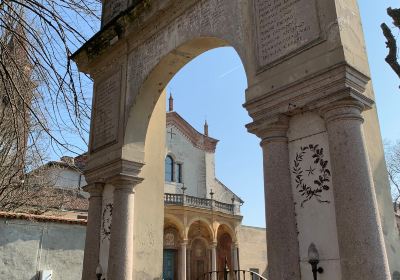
[396, 275]
[265, 272]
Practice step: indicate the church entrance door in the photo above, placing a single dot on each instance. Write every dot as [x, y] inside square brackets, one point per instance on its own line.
[169, 261]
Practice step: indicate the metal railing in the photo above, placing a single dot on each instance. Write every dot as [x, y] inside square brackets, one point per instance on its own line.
[198, 202]
[232, 275]
[226, 274]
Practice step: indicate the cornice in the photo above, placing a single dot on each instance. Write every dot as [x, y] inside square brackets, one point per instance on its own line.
[311, 93]
[116, 169]
[198, 139]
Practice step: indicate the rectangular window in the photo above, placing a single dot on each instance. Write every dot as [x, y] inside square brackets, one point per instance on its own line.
[179, 173]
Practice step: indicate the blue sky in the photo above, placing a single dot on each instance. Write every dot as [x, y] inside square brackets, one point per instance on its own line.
[212, 87]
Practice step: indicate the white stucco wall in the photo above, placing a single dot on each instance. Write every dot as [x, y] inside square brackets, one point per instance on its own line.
[192, 158]
[27, 247]
[62, 177]
[198, 169]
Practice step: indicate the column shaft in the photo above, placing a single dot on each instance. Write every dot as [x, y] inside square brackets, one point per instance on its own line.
[361, 244]
[283, 247]
[92, 243]
[120, 263]
[235, 258]
[214, 261]
[188, 260]
[183, 259]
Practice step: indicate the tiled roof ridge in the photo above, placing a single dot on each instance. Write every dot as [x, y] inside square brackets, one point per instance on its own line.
[41, 218]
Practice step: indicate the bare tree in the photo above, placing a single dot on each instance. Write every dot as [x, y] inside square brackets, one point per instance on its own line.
[44, 105]
[392, 155]
[391, 43]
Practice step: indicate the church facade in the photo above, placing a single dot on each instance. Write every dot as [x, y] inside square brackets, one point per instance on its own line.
[202, 215]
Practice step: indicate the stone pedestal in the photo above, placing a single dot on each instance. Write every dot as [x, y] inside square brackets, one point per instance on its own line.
[120, 263]
[92, 243]
[283, 248]
[361, 243]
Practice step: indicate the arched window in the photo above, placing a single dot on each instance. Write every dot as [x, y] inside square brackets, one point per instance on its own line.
[169, 169]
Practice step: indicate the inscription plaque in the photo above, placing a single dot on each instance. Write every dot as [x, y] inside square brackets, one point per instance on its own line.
[284, 26]
[106, 111]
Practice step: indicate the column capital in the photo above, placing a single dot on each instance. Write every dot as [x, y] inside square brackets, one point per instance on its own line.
[184, 242]
[94, 189]
[213, 244]
[125, 183]
[346, 109]
[271, 130]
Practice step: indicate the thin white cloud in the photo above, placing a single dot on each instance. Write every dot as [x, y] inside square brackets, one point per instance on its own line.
[229, 72]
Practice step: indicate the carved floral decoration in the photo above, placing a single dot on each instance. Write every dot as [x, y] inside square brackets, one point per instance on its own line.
[318, 171]
[106, 221]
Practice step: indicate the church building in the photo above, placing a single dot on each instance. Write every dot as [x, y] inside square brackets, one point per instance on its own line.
[202, 219]
[202, 215]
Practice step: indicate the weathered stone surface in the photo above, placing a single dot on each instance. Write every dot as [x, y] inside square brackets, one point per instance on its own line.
[284, 27]
[106, 110]
[112, 8]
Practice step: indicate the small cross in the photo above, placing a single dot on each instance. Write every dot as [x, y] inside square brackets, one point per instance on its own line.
[310, 171]
[170, 132]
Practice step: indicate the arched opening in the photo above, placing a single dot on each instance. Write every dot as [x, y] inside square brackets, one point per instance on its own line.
[199, 255]
[200, 236]
[171, 243]
[145, 124]
[224, 250]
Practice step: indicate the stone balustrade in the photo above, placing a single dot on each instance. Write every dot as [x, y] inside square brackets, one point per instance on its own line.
[198, 202]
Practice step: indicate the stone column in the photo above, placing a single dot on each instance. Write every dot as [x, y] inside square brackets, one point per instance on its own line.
[283, 247]
[183, 260]
[235, 257]
[361, 244]
[188, 262]
[92, 243]
[120, 262]
[214, 260]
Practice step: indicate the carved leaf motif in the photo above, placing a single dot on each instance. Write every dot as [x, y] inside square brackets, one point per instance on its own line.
[319, 185]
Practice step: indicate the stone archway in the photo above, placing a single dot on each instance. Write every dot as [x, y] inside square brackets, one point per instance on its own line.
[224, 252]
[308, 95]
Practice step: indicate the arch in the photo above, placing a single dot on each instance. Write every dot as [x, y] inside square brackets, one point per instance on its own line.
[202, 222]
[175, 221]
[228, 229]
[142, 99]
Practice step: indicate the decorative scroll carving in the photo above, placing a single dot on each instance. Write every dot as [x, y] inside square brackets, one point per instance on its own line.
[284, 26]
